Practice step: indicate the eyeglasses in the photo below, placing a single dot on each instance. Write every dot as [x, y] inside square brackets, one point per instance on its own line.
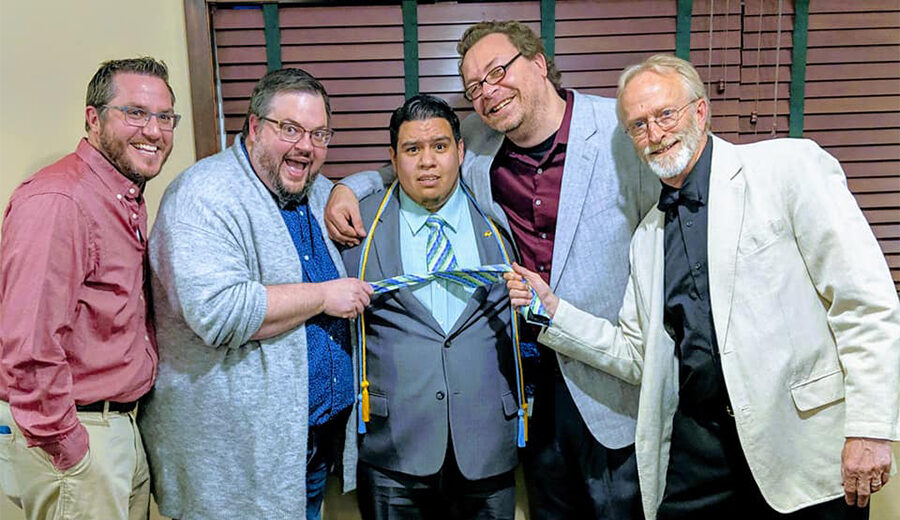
[665, 119]
[139, 117]
[493, 77]
[293, 133]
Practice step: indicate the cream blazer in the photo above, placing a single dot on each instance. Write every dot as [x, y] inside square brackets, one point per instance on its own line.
[806, 315]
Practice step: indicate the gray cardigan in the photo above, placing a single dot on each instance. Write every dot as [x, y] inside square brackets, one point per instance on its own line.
[226, 425]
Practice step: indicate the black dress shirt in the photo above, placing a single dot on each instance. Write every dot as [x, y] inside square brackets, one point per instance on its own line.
[687, 314]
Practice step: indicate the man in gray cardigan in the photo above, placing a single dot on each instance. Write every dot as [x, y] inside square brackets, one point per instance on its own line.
[255, 382]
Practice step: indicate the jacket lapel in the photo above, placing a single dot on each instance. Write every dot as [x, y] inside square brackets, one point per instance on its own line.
[388, 262]
[581, 156]
[726, 216]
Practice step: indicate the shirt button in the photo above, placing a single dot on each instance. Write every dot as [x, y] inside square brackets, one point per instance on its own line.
[697, 266]
[335, 380]
[439, 396]
[119, 196]
[689, 223]
[131, 190]
[543, 235]
[146, 338]
[306, 257]
[537, 202]
[541, 268]
[540, 171]
[300, 212]
[134, 215]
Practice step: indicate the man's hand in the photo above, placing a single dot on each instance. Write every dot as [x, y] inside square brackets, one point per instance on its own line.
[342, 218]
[520, 284]
[345, 297]
[865, 467]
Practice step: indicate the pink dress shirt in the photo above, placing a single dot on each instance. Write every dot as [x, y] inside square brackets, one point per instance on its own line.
[74, 324]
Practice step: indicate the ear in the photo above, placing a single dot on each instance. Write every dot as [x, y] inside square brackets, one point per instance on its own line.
[92, 118]
[393, 158]
[253, 122]
[702, 113]
[540, 61]
[460, 151]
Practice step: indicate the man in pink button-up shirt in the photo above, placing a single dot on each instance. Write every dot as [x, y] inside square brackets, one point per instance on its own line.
[77, 349]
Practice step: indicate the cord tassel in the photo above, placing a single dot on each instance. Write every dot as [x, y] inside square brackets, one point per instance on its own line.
[523, 436]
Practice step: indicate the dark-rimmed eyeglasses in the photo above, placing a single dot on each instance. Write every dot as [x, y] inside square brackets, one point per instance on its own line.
[666, 119]
[139, 117]
[291, 132]
[493, 77]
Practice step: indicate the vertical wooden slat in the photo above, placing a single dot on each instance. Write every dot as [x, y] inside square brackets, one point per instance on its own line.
[203, 87]
[683, 29]
[798, 67]
[410, 47]
[273, 37]
[548, 26]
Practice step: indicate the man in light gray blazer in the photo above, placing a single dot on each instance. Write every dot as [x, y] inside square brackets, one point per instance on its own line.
[439, 365]
[553, 168]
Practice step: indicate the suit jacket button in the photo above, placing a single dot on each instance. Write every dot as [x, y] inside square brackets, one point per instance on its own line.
[439, 396]
[447, 343]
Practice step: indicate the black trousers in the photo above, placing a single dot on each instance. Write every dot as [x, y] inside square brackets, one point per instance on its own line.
[708, 477]
[569, 475]
[390, 495]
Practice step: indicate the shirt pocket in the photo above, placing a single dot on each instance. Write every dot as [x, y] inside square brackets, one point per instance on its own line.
[818, 391]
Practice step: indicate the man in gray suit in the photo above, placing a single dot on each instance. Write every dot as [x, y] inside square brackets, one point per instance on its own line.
[552, 167]
[439, 366]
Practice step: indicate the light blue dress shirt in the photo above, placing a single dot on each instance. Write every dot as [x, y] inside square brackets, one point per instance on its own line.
[444, 299]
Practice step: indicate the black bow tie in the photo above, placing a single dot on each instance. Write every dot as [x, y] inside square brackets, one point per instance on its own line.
[670, 198]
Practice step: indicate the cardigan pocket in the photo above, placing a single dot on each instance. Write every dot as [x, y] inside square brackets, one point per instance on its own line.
[818, 391]
[510, 408]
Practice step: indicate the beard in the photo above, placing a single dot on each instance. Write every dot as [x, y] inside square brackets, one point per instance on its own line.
[115, 150]
[669, 167]
[271, 167]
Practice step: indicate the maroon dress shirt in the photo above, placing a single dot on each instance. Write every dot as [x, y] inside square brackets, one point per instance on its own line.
[74, 325]
[528, 191]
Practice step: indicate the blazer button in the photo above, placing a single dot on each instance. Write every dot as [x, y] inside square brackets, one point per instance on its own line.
[439, 396]
[447, 343]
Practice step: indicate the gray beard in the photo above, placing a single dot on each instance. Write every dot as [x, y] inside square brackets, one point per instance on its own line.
[690, 141]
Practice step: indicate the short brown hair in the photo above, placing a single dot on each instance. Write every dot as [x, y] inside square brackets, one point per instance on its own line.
[102, 88]
[283, 80]
[519, 34]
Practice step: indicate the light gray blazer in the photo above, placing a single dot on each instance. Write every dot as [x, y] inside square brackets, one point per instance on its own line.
[225, 427]
[428, 386]
[605, 193]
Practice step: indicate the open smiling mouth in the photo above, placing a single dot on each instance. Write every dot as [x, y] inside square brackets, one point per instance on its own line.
[664, 149]
[297, 165]
[145, 148]
[499, 106]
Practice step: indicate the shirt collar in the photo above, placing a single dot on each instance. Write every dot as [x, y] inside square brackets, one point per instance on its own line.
[415, 215]
[695, 190]
[116, 181]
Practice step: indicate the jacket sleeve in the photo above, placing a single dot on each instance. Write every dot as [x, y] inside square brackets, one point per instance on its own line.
[207, 278]
[46, 256]
[617, 349]
[854, 283]
[367, 182]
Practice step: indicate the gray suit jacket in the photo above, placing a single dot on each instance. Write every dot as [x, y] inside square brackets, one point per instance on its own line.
[428, 386]
[605, 193]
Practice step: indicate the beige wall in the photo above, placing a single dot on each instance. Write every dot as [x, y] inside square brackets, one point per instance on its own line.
[48, 52]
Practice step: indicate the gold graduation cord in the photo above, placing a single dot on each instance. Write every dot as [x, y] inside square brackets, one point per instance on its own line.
[361, 325]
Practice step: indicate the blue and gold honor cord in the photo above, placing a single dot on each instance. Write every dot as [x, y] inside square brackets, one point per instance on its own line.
[484, 275]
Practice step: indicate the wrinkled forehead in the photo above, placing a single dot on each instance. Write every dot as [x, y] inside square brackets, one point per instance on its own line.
[650, 90]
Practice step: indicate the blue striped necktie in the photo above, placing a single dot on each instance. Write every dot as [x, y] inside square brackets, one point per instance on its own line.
[439, 253]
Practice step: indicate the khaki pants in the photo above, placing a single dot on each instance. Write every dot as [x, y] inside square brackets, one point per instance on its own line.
[111, 482]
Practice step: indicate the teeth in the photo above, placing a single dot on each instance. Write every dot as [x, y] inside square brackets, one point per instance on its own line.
[501, 105]
[145, 147]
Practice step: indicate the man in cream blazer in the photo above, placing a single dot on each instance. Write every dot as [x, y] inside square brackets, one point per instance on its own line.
[803, 321]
